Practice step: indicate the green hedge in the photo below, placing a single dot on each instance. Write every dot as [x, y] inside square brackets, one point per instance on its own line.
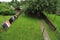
[5, 9]
[37, 7]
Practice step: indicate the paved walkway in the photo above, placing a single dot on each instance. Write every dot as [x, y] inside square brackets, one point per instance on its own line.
[44, 31]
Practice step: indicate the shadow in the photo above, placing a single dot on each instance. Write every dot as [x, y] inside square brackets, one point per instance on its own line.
[31, 17]
[34, 16]
[6, 14]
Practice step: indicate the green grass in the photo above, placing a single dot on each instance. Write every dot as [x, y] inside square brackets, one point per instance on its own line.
[24, 28]
[4, 18]
[55, 21]
[50, 32]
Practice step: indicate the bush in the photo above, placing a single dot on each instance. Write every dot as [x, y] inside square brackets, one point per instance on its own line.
[6, 10]
[34, 9]
[37, 7]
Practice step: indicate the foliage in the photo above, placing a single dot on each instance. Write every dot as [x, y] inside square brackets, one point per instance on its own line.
[15, 3]
[36, 7]
[5, 9]
[52, 6]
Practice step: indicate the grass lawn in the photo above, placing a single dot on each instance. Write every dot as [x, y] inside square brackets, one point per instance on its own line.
[50, 32]
[56, 21]
[4, 18]
[24, 28]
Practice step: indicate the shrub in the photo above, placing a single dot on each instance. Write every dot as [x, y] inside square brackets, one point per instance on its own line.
[6, 10]
[36, 7]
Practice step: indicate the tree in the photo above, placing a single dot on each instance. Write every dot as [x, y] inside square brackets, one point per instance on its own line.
[15, 3]
[6, 10]
[36, 7]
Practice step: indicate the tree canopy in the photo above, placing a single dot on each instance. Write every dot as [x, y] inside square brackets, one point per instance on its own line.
[38, 6]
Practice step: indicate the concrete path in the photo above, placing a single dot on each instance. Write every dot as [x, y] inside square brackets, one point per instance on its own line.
[44, 31]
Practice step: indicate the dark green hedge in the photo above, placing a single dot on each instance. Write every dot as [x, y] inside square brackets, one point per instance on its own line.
[37, 7]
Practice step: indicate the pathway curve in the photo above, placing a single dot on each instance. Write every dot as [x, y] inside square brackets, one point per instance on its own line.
[44, 31]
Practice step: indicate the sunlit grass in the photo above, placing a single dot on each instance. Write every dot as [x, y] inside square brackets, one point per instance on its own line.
[55, 19]
[4, 18]
[24, 28]
[50, 32]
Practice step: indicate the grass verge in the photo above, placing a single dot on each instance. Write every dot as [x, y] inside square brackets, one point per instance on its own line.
[50, 32]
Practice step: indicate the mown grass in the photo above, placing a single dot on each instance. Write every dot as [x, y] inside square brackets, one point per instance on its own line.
[24, 28]
[51, 33]
[55, 20]
[4, 18]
